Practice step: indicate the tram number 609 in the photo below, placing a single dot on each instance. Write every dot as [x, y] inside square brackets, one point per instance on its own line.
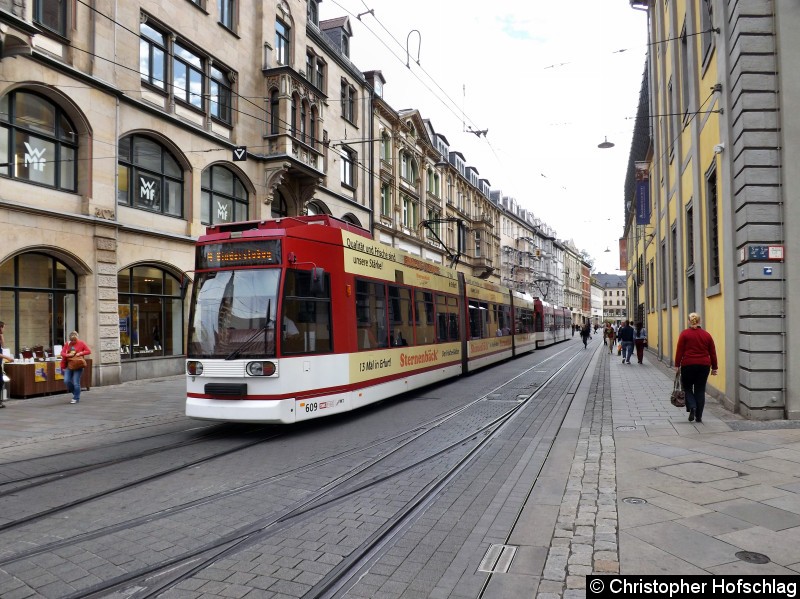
[311, 407]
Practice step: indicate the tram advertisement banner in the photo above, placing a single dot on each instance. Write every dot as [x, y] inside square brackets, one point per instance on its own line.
[390, 362]
[370, 259]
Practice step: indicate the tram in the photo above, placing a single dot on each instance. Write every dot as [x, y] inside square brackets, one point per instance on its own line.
[551, 323]
[305, 317]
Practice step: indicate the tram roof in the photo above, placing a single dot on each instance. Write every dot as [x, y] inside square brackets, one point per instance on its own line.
[255, 227]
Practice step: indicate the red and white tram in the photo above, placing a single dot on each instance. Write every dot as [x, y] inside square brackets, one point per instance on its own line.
[552, 323]
[305, 317]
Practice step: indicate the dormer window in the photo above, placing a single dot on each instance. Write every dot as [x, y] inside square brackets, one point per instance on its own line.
[313, 12]
[345, 45]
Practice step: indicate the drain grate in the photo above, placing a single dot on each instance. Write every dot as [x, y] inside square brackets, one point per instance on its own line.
[498, 559]
[626, 428]
[751, 557]
[634, 500]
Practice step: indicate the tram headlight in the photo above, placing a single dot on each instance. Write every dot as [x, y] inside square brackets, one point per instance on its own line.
[265, 368]
[194, 368]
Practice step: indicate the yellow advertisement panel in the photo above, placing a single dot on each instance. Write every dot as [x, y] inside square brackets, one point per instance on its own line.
[482, 347]
[371, 259]
[368, 365]
[40, 373]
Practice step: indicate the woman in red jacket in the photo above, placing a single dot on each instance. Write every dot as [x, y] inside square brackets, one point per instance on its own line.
[695, 356]
[72, 378]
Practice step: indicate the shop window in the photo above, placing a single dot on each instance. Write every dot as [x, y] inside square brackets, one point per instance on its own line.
[224, 197]
[150, 313]
[38, 294]
[38, 142]
[150, 177]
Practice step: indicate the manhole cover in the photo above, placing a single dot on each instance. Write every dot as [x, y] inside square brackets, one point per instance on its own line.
[626, 428]
[751, 557]
[634, 500]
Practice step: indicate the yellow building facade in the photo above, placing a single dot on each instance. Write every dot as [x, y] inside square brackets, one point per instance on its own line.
[712, 235]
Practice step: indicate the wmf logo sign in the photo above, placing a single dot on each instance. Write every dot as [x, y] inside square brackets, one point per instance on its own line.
[222, 212]
[147, 190]
[34, 157]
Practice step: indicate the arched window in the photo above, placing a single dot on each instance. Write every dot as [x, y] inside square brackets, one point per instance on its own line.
[38, 142]
[150, 313]
[349, 218]
[313, 208]
[39, 296]
[279, 206]
[224, 197]
[149, 176]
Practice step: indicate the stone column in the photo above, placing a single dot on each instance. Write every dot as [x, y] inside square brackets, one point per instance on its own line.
[106, 356]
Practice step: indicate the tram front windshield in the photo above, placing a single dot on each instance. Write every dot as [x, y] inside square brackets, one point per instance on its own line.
[233, 314]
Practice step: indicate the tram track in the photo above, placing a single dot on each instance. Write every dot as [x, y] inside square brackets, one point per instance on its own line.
[337, 490]
[136, 587]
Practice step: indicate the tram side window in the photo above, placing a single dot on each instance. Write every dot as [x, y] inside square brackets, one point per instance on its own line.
[447, 318]
[371, 315]
[306, 321]
[424, 317]
[503, 320]
[478, 319]
[525, 320]
[400, 316]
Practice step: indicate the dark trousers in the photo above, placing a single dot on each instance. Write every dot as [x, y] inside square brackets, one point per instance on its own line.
[639, 349]
[693, 381]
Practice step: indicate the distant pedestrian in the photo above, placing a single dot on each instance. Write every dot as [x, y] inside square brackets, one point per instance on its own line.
[695, 357]
[586, 333]
[640, 340]
[626, 335]
[72, 375]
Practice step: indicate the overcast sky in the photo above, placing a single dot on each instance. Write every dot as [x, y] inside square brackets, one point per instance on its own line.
[549, 80]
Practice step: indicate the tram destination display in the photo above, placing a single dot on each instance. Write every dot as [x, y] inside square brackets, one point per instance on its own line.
[262, 252]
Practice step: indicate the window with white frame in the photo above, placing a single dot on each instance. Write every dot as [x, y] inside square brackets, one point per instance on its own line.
[348, 161]
[386, 199]
[348, 99]
[282, 41]
[409, 212]
[386, 147]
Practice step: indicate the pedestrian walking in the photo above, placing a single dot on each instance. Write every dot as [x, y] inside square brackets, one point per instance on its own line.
[610, 338]
[73, 363]
[3, 359]
[640, 339]
[586, 333]
[626, 335]
[695, 358]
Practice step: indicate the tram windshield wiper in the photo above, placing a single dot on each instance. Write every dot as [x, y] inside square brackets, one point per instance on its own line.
[249, 341]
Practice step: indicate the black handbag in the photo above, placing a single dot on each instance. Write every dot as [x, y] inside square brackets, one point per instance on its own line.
[678, 396]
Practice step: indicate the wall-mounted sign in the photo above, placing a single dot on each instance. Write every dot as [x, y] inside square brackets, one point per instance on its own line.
[240, 154]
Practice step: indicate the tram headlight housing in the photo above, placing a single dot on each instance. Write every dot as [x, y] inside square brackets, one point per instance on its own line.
[265, 368]
[194, 368]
